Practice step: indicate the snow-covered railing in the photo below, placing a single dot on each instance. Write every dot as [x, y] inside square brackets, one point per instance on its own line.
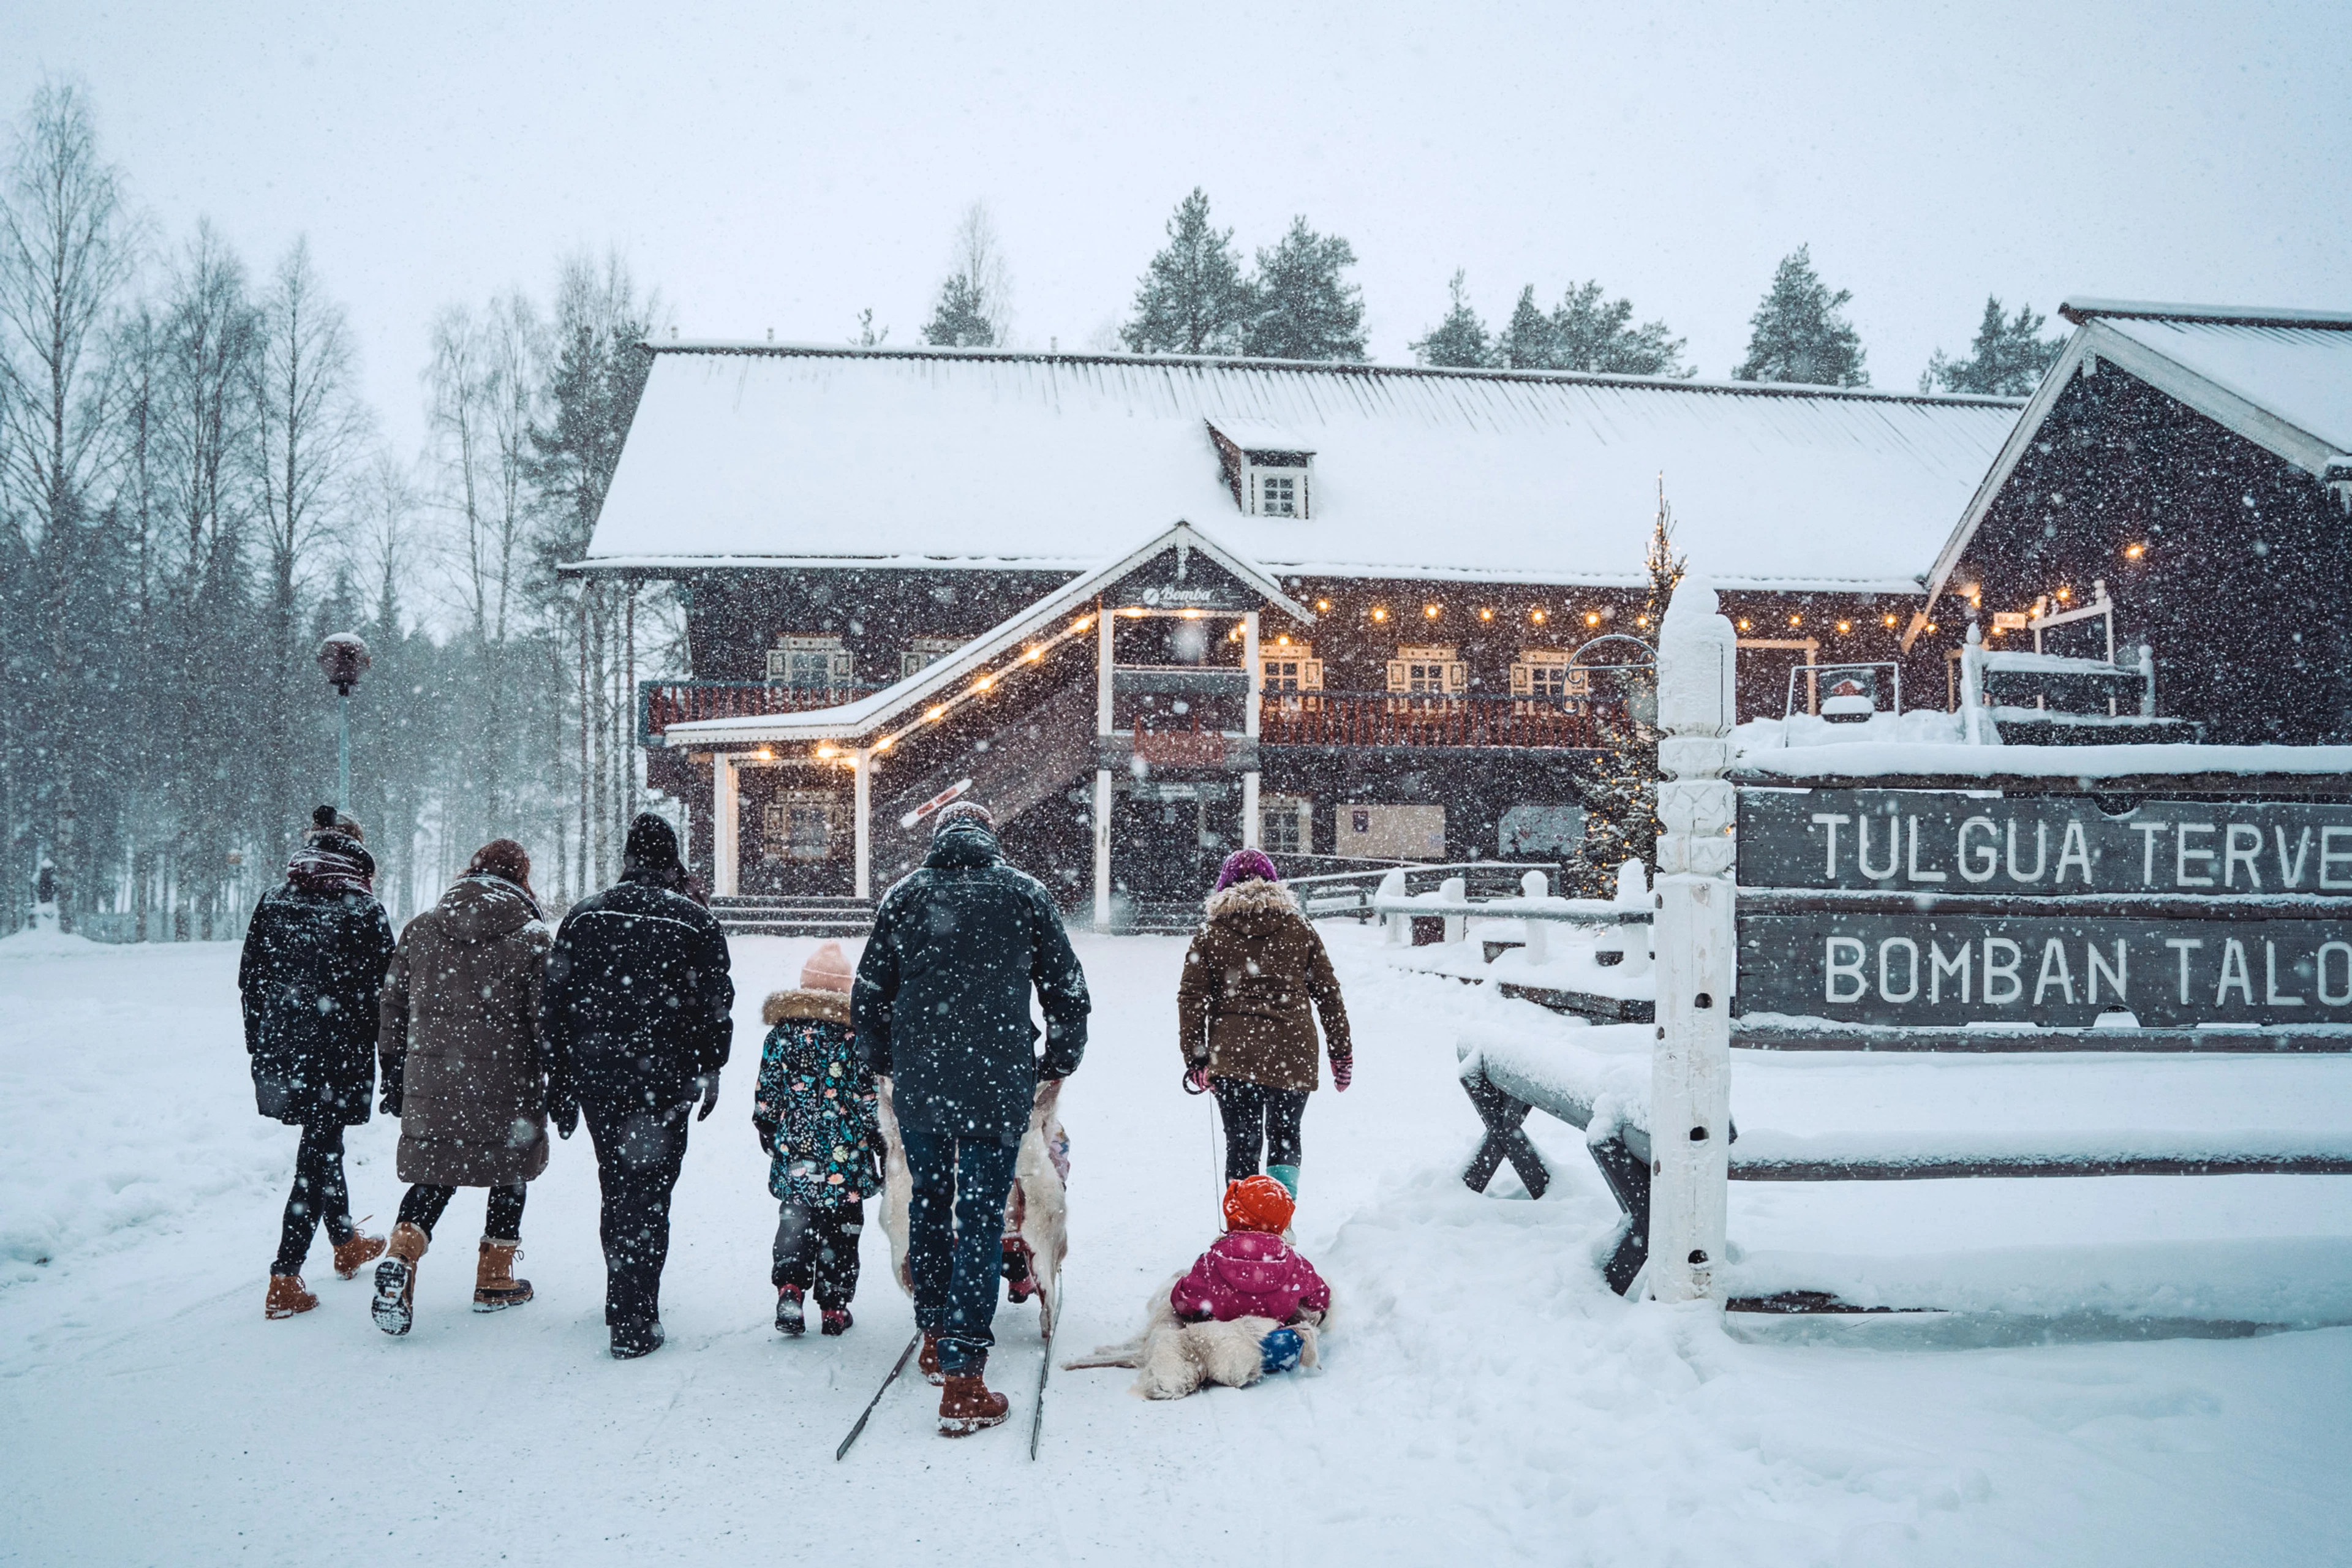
[1450, 902]
[1354, 892]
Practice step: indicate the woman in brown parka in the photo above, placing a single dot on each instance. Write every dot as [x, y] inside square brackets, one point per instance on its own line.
[466, 1070]
[1241, 1012]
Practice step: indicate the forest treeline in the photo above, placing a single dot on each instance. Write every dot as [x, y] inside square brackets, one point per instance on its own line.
[1294, 302]
[193, 493]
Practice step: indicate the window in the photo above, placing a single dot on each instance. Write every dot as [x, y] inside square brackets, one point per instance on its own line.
[1289, 668]
[818, 661]
[1545, 672]
[1275, 484]
[1286, 823]
[923, 652]
[805, 825]
[1426, 670]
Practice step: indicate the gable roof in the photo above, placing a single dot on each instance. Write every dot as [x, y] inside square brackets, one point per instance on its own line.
[2282, 379]
[763, 454]
[946, 680]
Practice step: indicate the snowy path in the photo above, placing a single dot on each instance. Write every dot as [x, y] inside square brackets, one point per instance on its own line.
[1484, 1397]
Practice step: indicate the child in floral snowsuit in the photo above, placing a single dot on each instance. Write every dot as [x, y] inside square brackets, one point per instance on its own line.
[815, 1113]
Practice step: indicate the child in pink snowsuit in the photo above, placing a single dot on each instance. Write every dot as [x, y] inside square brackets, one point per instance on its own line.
[1250, 1271]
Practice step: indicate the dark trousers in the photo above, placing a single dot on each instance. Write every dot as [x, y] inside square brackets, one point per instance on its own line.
[955, 1238]
[1254, 1114]
[503, 1222]
[318, 1194]
[819, 1246]
[638, 1152]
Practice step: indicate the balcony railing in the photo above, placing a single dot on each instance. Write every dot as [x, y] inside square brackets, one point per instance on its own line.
[1390, 718]
[1285, 718]
[661, 703]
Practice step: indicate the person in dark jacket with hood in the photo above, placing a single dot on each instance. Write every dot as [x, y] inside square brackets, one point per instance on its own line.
[466, 1072]
[314, 953]
[941, 1007]
[637, 1024]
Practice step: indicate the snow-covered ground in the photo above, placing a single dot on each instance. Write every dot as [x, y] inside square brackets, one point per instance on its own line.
[1483, 1398]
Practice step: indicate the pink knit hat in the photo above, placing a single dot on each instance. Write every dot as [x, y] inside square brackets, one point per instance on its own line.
[826, 970]
[1245, 865]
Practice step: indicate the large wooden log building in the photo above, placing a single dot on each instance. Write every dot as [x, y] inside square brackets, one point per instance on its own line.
[1151, 609]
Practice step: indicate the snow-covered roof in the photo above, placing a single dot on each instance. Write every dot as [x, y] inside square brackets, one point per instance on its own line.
[775, 454]
[2281, 378]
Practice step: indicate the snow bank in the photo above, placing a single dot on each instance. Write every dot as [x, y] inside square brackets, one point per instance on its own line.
[35, 941]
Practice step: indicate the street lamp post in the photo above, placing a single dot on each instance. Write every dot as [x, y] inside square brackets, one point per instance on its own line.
[345, 659]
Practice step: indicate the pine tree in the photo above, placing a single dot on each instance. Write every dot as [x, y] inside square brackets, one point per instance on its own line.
[1800, 333]
[1459, 340]
[2006, 361]
[958, 320]
[1591, 332]
[1192, 298]
[1528, 342]
[974, 306]
[1621, 788]
[1303, 308]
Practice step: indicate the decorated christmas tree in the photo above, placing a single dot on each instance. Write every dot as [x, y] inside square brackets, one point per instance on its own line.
[1621, 786]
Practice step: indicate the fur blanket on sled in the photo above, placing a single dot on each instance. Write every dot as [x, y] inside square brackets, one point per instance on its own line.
[1035, 1212]
[1173, 1358]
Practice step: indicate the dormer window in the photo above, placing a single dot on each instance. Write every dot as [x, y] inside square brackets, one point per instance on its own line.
[1278, 493]
[1268, 470]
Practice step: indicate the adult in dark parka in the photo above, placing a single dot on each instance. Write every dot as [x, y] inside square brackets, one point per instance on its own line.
[314, 955]
[637, 1024]
[941, 1007]
[465, 1070]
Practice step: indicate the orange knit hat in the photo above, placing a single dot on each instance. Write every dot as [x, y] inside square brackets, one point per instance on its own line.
[1258, 1203]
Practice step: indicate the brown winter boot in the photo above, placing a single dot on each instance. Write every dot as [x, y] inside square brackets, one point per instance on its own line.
[930, 1360]
[495, 1285]
[394, 1307]
[356, 1254]
[966, 1405]
[287, 1297]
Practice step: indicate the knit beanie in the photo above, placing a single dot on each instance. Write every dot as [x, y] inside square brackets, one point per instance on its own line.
[826, 970]
[962, 811]
[1246, 865]
[327, 819]
[503, 858]
[651, 847]
[1258, 1203]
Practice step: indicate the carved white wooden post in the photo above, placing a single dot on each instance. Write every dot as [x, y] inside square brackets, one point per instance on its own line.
[1690, 1067]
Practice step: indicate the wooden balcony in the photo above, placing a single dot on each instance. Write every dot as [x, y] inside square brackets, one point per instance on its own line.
[661, 703]
[1360, 719]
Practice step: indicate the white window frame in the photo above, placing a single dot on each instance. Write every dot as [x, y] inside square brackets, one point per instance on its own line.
[1285, 814]
[1418, 664]
[833, 808]
[1254, 479]
[840, 669]
[924, 652]
[1548, 667]
[1273, 676]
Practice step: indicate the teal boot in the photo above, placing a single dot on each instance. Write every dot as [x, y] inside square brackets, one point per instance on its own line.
[1289, 1176]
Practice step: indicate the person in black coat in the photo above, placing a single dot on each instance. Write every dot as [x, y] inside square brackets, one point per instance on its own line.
[941, 1008]
[637, 1024]
[315, 953]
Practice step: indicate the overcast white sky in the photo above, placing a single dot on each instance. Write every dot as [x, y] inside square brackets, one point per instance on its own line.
[777, 166]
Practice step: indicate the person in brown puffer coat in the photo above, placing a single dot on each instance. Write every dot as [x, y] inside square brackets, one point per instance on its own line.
[1243, 1018]
[466, 1070]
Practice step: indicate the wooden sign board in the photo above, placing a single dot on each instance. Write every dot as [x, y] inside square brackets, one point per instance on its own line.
[1935, 908]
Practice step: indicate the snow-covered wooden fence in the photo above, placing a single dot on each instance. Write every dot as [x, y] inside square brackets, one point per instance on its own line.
[2169, 920]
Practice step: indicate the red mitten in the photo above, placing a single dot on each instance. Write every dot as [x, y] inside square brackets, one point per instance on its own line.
[1343, 1071]
[1196, 1080]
